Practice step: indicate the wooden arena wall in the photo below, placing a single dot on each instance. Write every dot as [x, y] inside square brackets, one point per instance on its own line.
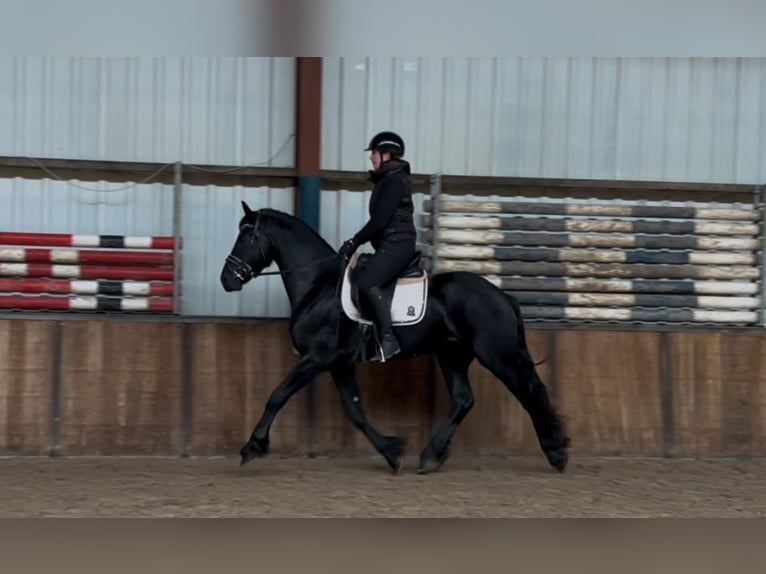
[171, 387]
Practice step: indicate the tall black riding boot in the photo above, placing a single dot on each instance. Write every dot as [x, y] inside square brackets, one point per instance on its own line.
[382, 318]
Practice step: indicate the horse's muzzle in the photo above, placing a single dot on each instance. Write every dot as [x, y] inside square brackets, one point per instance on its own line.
[238, 274]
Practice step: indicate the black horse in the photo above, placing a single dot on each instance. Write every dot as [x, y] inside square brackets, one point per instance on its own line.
[466, 318]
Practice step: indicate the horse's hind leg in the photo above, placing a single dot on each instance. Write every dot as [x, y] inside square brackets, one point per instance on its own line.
[515, 368]
[454, 362]
[389, 446]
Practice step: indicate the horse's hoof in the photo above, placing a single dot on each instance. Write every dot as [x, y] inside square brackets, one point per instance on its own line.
[430, 465]
[252, 450]
[393, 453]
[558, 458]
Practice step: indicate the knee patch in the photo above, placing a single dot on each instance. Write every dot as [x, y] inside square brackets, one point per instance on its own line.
[365, 282]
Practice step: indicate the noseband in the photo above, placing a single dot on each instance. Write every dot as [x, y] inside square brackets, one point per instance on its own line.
[242, 270]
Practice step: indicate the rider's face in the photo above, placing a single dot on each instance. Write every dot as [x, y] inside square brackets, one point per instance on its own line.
[377, 158]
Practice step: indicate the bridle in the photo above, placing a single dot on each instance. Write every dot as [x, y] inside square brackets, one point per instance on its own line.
[245, 272]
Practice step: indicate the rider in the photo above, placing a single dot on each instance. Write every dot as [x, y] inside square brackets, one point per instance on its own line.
[390, 230]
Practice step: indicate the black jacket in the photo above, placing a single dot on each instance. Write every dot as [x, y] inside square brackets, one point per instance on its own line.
[391, 208]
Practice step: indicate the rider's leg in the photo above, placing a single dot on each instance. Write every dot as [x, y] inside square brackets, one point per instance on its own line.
[384, 267]
[382, 318]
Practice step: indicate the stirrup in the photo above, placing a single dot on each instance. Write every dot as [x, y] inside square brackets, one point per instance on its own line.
[388, 347]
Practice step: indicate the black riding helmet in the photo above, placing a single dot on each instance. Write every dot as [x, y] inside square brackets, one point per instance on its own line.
[387, 142]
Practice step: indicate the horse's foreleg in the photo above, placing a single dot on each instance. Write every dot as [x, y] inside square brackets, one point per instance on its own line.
[390, 447]
[454, 362]
[258, 445]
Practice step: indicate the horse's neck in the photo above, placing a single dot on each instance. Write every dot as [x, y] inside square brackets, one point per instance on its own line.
[305, 261]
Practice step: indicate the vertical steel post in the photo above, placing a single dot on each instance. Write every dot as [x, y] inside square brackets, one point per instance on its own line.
[436, 191]
[177, 236]
[308, 141]
[308, 148]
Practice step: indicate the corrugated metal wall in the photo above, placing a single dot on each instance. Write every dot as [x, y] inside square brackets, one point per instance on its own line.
[678, 119]
[210, 218]
[683, 119]
[44, 205]
[238, 111]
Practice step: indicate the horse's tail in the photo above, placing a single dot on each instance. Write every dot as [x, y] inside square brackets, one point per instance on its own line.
[521, 331]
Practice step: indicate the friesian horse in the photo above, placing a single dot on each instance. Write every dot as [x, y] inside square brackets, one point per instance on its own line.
[465, 317]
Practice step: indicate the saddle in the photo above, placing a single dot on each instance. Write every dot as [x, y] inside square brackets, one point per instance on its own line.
[406, 296]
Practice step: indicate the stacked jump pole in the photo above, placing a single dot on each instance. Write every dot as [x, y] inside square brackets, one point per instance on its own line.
[568, 257]
[80, 273]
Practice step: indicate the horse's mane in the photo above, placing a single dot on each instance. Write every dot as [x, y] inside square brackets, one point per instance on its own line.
[288, 221]
[325, 281]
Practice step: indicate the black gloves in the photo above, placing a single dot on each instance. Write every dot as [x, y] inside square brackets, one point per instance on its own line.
[347, 249]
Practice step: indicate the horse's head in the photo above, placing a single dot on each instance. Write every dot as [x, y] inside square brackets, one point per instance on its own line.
[251, 254]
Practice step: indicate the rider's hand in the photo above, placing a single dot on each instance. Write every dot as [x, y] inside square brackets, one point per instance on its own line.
[347, 249]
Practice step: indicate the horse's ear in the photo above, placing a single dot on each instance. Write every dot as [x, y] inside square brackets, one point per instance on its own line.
[246, 208]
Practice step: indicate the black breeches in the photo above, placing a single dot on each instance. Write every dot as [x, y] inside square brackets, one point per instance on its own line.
[385, 265]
